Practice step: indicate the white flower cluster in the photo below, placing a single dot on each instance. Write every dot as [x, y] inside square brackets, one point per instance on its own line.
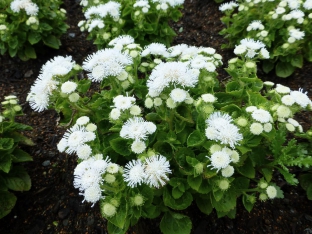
[250, 48]
[123, 103]
[263, 120]
[228, 6]
[106, 62]
[45, 84]
[137, 129]
[76, 138]
[153, 172]
[27, 5]
[143, 4]
[88, 177]
[221, 158]
[220, 128]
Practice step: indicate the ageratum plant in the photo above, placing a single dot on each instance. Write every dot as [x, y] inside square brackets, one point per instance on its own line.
[145, 20]
[13, 176]
[284, 27]
[27, 25]
[160, 132]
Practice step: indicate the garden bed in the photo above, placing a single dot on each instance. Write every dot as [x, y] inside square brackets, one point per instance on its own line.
[53, 205]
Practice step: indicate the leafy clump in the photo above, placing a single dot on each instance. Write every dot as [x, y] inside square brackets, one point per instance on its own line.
[27, 25]
[145, 20]
[13, 176]
[162, 133]
[282, 26]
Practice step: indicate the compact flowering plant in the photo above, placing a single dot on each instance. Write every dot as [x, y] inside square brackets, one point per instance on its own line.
[13, 177]
[145, 20]
[160, 131]
[27, 24]
[282, 26]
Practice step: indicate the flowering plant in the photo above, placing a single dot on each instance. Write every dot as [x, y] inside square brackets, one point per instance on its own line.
[27, 24]
[282, 26]
[12, 176]
[160, 131]
[145, 20]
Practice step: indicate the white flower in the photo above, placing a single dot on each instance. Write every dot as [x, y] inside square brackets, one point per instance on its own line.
[170, 103]
[123, 102]
[91, 127]
[271, 191]
[112, 168]
[264, 53]
[301, 98]
[268, 83]
[122, 40]
[219, 160]
[220, 128]
[156, 169]
[256, 128]
[157, 101]
[240, 49]
[263, 116]
[134, 173]
[27, 5]
[288, 100]
[227, 171]
[155, 49]
[138, 147]
[234, 156]
[85, 176]
[84, 151]
[68, 87]
[297, 14]
[280, 10]
[92, 194]
[296, 33]
[178, 95]
[290, 127]
[175, 73]
[115, 114]
[255, 25]
[283, 111]
[251, 108]
[282, 89]
[267, 127]
[106, 62]
[209, 98]
[61, 146]
[293, 122]
[148, 103]
[227, 6]
[83, 120]
[307, 4]
[135, 110]
[137, 129]
[111, 8]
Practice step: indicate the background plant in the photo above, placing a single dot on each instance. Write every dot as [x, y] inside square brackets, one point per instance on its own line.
[13, 176]
[283, 26]
[161, 131]
[25, 26]
[145, 20]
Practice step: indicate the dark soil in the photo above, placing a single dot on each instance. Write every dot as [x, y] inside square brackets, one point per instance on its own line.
[53, 205]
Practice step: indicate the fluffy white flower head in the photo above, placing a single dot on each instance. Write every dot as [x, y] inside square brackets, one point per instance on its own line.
[134, 173]
[219, 160]
[262, 116]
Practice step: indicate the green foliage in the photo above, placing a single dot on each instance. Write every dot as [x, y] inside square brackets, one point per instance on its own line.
[206, 143]
[23, 32]
[145, 24]
[284, 33]
[12, 176]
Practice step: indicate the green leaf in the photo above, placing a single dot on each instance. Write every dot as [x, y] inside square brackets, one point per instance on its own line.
[13, 42]
[227, 203]
[120, 145]
[204, 204]
[152, 117]
[112, 229]
[284, 69]
[30, 52]
[267, 66]
[34, 37]
[177, 204]
[247, 169]
[18, 179]
[83, 85]
[12, 52]
[5, 162]
[247, 204]
[184, 113]
[195, 138]
[173, 223]
[51, 41]
[309, 192]
[305, 180]
[120, 218]
[290, 178]
[20, 156]
[297, 60]
[45, 26]
[6, 143]
[7, 202]
[267, 173]
[234, 88]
